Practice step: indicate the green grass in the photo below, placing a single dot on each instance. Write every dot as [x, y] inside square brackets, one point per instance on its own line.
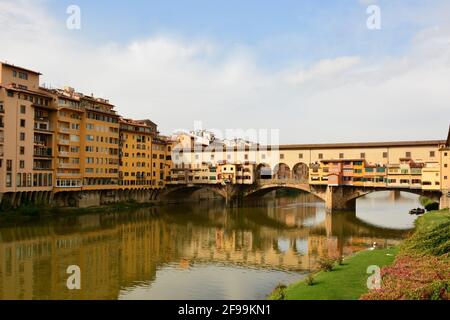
[431, 237]
[432, 219]
[349, 281]
[345, 282]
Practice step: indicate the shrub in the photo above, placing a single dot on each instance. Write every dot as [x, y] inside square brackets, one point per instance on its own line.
[432, 206]
[326, 264]
[279, 293]
[414, 278]
[309, 280]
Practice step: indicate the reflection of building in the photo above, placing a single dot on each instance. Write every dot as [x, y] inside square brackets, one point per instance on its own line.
[114, 251]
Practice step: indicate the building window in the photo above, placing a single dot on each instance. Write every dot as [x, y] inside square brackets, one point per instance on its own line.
[22, 151]
[23, 75]
[432, 154]
[320, 155]
[23, 109]
[281, 156]
[300, 155]
[385, 155]
[22, 136]
[8, 180]
[408, 154]
[363, 155]
[341, 156]
[22, 123]
[22, 164]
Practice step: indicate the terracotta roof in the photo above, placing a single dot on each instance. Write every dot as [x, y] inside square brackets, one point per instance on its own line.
[362, 145]
[19, 68]
[17, 89]
[343, 160]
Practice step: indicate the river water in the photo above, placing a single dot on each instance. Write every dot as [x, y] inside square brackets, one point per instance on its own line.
[193, 251]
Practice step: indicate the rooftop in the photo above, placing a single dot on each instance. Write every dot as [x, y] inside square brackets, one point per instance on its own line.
[363, 145]
[19, 68]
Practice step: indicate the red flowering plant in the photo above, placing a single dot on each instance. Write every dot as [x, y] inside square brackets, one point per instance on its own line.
[422, 269]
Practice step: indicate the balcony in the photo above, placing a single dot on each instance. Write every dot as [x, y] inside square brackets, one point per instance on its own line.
[41, 126]
[72, 175]
[63, 142]
[64, 154]
[43, 152]
[64, 130]
[40, 168]
[68, 165]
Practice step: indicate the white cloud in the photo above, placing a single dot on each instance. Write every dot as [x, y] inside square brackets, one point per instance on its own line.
[176, 81]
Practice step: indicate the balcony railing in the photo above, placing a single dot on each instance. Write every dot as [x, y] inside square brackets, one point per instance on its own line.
[43, 152]
[68, 165]
[64, 142]
[42, 125]
[42, 168]
[68, 174]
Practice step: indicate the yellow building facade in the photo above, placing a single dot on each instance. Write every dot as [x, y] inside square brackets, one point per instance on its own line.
[136, 140]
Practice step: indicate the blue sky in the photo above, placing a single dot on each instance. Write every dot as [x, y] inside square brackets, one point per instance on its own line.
[295, 66]
[281, 31]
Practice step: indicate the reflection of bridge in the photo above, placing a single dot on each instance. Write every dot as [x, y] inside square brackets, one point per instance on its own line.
[115, 251]
[335, 197]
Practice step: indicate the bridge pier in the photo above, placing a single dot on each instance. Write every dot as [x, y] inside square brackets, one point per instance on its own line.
[339, 199]
[444, 202]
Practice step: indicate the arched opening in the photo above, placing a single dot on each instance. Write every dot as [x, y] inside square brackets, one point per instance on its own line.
[263, 172]
[282, 172]
[301, 173]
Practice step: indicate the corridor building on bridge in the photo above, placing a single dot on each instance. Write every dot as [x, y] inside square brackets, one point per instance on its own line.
[412, 165]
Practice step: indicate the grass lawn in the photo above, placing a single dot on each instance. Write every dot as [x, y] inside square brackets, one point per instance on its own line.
[345, 282]
[432, 219]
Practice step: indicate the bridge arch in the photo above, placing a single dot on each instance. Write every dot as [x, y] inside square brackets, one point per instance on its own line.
[362, 192]
[264, 171]
[300, 172]
[187, 190]
[282, 172]
[269, 186]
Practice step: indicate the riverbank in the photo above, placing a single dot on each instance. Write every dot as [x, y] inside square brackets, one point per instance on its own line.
[347, 281]
[418, 269]
[30, 212]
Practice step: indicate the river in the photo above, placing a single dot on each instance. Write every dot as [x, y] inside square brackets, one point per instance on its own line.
[193, 251]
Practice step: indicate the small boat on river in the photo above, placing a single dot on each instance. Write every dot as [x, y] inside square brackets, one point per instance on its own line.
[417, 211]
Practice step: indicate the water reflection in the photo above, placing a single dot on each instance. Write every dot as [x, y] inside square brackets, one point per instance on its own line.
[191, 252]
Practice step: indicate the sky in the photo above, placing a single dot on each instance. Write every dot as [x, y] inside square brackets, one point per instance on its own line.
[310, 69]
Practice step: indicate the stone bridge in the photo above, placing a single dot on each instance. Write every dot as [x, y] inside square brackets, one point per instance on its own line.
[336, 198]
